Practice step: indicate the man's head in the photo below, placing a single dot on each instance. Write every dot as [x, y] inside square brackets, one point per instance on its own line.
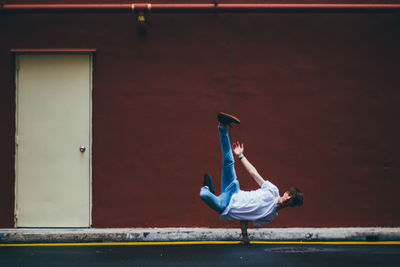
[291, 198]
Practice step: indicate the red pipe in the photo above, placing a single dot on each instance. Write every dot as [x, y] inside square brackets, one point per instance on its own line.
[67, 8]
[59, 50]
[201, 8]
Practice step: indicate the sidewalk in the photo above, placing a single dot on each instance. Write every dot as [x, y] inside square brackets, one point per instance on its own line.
[23, 235]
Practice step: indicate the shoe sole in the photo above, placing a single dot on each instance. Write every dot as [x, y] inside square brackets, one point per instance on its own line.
[225, 118]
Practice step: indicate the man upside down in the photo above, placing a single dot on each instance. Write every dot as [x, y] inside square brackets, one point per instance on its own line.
[259, 206]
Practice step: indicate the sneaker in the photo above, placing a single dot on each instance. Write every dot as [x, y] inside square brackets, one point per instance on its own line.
[226, 119]
[208, 182]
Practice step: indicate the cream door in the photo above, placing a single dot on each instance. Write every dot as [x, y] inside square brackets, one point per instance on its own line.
[53, 119]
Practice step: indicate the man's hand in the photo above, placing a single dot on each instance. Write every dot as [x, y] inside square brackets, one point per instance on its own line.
[238, 148]
[245, 240]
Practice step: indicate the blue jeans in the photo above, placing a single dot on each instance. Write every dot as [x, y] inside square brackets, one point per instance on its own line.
[229, 182]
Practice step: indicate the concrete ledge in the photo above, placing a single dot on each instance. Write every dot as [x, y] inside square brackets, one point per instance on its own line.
[22, 235]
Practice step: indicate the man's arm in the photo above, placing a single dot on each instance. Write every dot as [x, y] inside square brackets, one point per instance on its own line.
[238, 149]
[245, 237]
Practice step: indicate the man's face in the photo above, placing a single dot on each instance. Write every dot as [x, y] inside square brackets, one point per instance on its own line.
[285, 196]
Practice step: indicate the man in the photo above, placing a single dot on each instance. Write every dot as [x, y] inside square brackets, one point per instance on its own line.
[259, 206]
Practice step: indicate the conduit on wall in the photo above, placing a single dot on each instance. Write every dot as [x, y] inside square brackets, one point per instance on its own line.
[200, 8]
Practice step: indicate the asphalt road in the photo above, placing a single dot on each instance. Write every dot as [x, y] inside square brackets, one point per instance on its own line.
[203, 255]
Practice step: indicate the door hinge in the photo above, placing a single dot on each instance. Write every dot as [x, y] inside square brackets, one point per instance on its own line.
[16, 140]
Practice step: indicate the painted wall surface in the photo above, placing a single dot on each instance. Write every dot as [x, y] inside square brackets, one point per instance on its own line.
[318, 96]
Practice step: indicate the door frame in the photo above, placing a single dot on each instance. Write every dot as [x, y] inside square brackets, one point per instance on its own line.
[15, 61]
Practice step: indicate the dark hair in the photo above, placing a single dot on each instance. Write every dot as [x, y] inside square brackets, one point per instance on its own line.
[296, 197]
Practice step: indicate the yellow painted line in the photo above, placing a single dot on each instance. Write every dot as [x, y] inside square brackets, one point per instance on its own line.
[327, 242]
[203, 243]
[124, 243]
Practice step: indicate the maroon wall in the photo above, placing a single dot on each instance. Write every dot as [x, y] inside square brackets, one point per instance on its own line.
[7, 131]
[317, 94]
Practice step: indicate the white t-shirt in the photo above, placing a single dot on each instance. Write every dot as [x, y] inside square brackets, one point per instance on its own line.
[258, 206]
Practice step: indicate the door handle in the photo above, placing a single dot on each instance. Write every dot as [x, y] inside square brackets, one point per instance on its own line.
[82, 149]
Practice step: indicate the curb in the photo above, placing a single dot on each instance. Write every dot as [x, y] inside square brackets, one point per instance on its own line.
[22, 235]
